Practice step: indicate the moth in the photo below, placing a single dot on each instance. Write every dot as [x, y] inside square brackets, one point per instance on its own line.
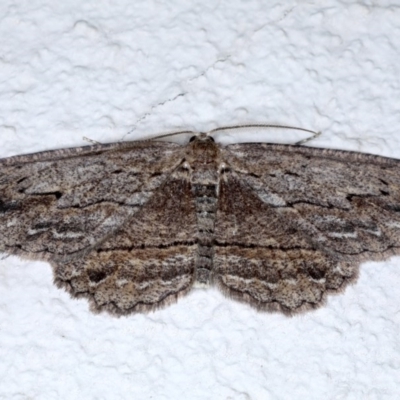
[134, 226]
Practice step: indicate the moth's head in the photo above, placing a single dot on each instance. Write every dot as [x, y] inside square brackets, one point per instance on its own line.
[202, 137]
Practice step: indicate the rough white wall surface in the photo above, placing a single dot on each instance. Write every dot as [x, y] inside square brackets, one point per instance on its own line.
[120, 70]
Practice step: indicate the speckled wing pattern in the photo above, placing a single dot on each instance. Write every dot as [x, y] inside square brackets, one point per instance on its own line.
[294, 223]
[117, 222]
[134, 226]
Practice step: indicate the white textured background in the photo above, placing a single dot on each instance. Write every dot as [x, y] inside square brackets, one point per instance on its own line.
[120, 70]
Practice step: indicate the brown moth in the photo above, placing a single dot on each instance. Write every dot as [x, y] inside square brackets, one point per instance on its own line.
[134, 226]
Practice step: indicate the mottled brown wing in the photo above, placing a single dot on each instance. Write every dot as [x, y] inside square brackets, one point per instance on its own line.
[115, 221]
[294, 223]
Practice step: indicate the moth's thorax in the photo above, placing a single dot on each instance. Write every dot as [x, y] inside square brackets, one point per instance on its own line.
[203, 151]
[203, 157]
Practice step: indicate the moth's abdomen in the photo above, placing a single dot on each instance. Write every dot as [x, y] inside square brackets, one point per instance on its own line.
[206, 206]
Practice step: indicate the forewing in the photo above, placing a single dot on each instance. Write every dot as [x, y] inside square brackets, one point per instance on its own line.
[63, 202]
[294, 223]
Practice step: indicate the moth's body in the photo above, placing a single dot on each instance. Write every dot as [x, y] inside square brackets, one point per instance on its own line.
[133, 226]
[203, 165]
